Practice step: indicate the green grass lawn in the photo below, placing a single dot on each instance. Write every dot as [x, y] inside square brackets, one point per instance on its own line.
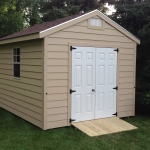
[17, 134]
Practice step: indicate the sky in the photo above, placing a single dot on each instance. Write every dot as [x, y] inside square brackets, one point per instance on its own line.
[111, 9]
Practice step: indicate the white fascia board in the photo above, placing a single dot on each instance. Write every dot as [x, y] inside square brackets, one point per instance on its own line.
[121, 27]
[69, 21]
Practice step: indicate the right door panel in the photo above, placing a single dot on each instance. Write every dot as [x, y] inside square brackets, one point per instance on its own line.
[106, 64]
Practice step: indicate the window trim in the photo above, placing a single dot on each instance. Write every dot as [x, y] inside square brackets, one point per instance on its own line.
[96, 27]
[15, 62]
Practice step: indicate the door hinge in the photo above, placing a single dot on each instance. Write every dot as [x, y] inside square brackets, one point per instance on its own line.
[117, 50]
[116, 88]
[72, 48]
[71, 91]
[115, 114]
[71, 120]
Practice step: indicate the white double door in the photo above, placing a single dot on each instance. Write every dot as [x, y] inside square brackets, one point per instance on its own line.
[93, 79]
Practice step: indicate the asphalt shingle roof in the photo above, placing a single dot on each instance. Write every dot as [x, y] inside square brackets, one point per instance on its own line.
[40, 27]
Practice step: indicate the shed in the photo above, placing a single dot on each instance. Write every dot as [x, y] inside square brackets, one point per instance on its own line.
[77, 68]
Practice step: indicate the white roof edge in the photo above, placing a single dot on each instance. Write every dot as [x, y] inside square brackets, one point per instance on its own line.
[69, 20]
[86, 15]
[119, 25]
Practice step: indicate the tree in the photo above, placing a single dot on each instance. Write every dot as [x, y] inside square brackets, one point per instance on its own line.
[135, 17]
[31, 11]
[16, 15]
[10, 19]
[61, 8]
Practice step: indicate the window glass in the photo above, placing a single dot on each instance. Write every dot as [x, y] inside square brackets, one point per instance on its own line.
[95, 22]
[16, 62]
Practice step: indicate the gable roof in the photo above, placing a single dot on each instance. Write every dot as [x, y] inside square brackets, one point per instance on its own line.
[44, 29]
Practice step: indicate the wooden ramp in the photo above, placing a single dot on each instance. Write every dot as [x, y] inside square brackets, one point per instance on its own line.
[103, 126]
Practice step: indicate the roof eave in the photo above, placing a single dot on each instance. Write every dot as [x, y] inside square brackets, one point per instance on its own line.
[21, 38]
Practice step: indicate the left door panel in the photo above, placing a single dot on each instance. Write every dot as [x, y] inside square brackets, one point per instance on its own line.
[83, 81]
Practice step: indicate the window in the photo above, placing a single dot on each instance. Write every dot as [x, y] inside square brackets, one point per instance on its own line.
[95, 22]
[16, 62]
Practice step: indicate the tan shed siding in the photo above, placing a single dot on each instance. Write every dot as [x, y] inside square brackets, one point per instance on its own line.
[55, 104]
[134, 90]
[57, 86]
[58, 68]
[126, 82]
[57, 124]
[23, 96]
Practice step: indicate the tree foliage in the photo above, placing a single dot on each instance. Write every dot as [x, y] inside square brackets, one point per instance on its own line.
[135, 17]
[62, 8]
[11, 20]
[16, 15]
[31, 11]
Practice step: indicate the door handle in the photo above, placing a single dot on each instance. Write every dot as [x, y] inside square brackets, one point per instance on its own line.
[93, 90]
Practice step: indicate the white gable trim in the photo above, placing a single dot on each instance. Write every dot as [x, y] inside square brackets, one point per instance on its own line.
[84, 17]
[68, 21]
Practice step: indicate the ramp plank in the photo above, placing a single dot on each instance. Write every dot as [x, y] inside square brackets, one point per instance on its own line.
[103, 126]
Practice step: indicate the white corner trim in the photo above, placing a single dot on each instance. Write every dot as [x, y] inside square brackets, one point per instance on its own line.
[69, 21]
